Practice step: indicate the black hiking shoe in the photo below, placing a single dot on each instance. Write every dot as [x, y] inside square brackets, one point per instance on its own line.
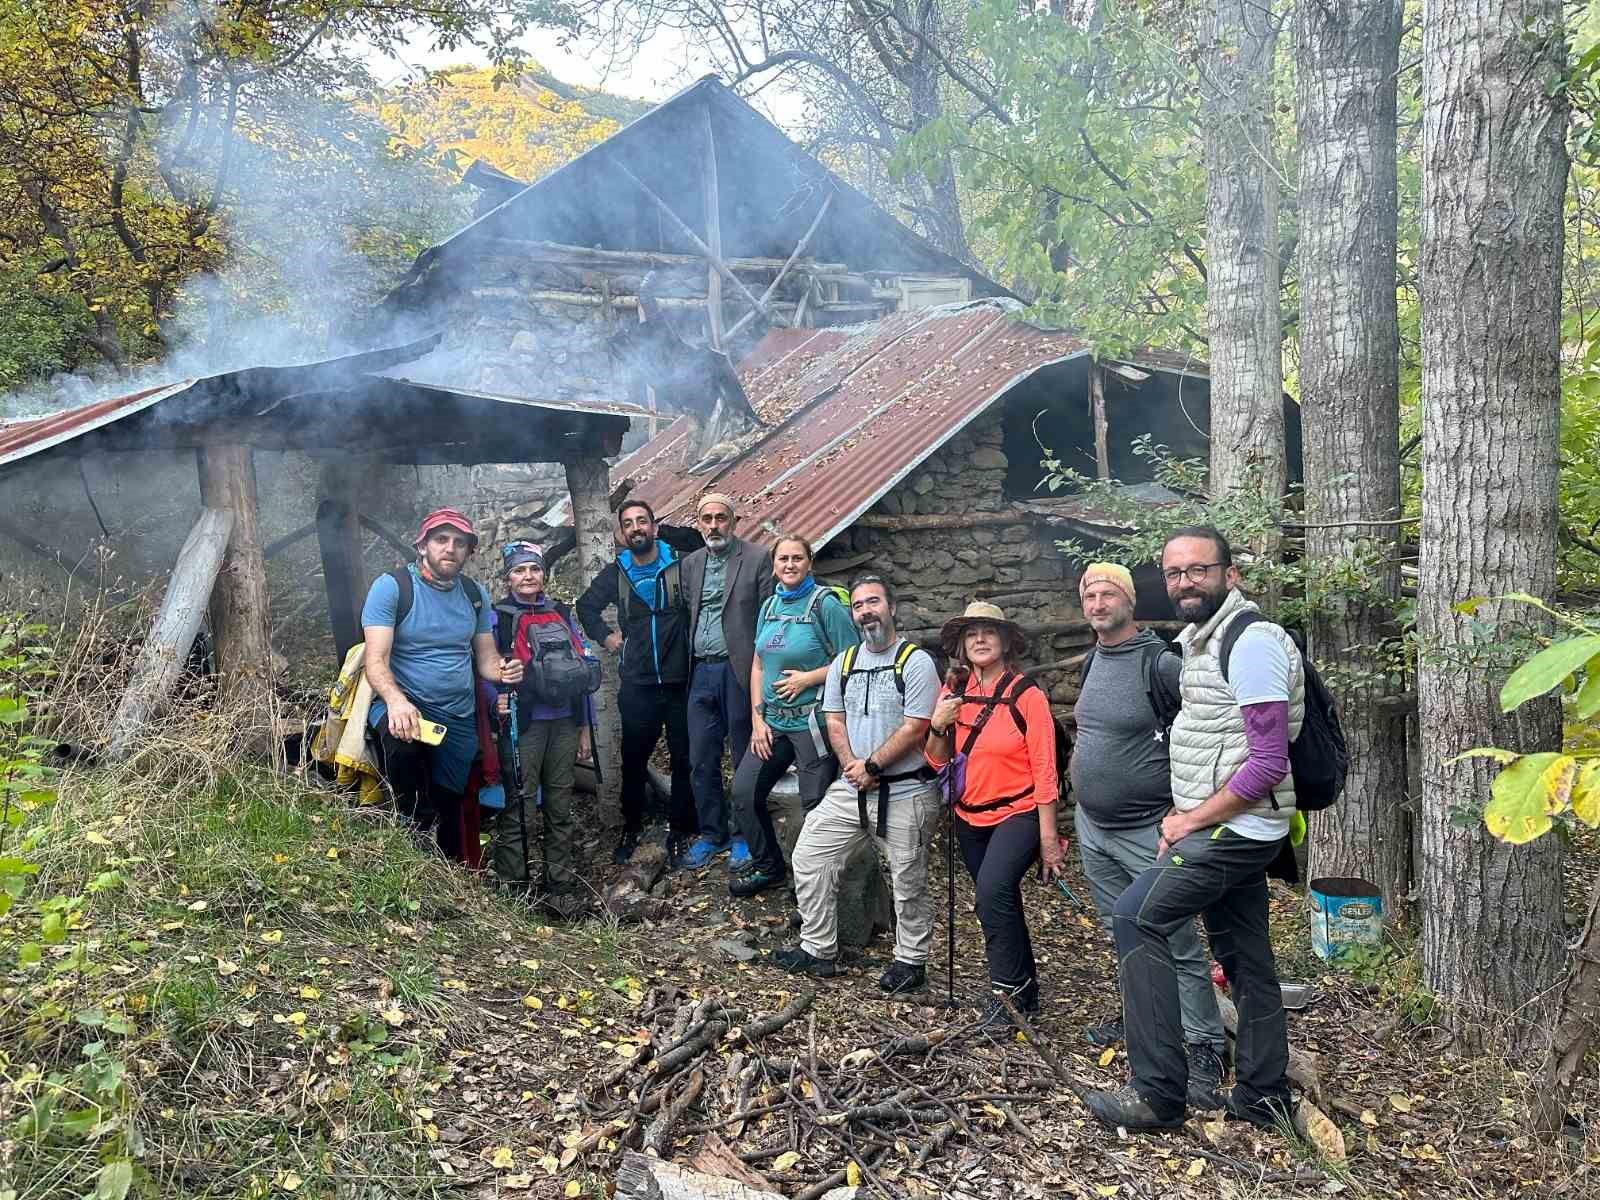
[1108, 1033]
[566, 906]
[1261, 1112]
[1205, 1075]
[996, 1021]
[797, 961]
[626, 845]
[1125, 1108]
[901, 979]
[758, 880]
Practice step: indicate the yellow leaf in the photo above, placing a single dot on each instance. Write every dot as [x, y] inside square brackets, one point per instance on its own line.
[502, 1159]
[394, 1016]
[1196, 1168]
[573, 1188]
[1586, 793]
[333, 852]
[246, 1020]
[224, 967]
[626, 1049]
[1516, 811]
[533, 1002]
[289, 1181]
[198, 906]
[1107, 1189]
[310, 993]
[95, 838]
[852, 1174]
[1399, 1103]
[425, 1113]
[1369, 1118]
[272, 937]
[549, 1165]
[785, 1160]
[1106, 1055]
[1558, 779]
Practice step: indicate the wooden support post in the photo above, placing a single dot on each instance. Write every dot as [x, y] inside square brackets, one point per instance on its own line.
[589, 484]
[241, 626]
[167, 648]
[1097, 409]
[800, 248]
[713, 234]
[339, 538]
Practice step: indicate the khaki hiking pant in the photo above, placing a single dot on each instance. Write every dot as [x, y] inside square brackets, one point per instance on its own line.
[549, 752]
[832, 830]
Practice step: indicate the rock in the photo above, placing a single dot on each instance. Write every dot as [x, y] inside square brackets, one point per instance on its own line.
[922, 484]
[866, 906]
[525, 343]
[737, 951]
[890, 504]
[987, 458]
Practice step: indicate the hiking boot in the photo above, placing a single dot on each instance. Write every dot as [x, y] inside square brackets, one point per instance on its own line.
[1261, 1112]
[996, 1021]
[1107, 1033]
[739, 859]
[1125, 1108]
[796, 921]
[677, 845]
[1205, 1075]
[755, 880]
[902, 978]
[626, 845]
[701, 851]
[797, 961]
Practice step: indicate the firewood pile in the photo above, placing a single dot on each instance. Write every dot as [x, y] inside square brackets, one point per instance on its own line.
[752, 1100]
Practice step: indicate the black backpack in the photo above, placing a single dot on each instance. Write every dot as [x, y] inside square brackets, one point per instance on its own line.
[1165, 704]
[557, 673]
[403, 580]
[1318, 757]
[1012, 693]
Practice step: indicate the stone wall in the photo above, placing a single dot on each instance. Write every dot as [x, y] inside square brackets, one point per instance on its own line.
[937, 572]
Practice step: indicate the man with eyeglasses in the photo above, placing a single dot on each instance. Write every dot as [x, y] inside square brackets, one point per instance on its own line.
[1232, 798]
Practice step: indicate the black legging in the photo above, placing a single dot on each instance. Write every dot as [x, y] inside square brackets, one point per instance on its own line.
[408, 770]
[998, 856]
[756, 777]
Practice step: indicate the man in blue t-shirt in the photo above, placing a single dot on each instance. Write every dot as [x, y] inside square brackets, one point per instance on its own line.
[420, 662]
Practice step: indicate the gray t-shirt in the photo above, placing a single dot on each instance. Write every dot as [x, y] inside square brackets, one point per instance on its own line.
[1121, 775]
[872, 706]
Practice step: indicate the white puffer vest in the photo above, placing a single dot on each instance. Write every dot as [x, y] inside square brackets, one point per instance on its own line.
[1207, 744]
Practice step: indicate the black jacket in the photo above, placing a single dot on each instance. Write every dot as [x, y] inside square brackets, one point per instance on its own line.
[655, 647]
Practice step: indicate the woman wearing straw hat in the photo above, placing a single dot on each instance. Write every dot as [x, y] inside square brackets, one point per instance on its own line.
[993, 738]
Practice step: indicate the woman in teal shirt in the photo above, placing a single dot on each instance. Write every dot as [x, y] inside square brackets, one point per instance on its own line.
[801, 629]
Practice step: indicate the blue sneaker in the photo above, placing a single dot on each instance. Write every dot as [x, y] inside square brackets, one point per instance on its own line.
[738, 855]
[701, 853]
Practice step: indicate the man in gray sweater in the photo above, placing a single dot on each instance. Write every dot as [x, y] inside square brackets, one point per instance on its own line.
[1121, 783]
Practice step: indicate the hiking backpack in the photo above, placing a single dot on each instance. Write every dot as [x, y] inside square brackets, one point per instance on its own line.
[558, 673]
[1318, 757]
[1165, 703]
[847, 667]
[1008, 693]
[806, 615]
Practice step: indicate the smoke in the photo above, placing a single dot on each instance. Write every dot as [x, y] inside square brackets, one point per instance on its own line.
[320, 218]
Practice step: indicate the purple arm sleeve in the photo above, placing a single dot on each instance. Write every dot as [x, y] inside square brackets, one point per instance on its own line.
[1266, 729]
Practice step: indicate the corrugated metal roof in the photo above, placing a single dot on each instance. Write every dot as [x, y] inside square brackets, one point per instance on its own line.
[854, 411]
[19, 439]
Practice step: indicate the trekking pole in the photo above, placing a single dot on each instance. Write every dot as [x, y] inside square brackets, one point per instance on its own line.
[513, 771]
[950, 910]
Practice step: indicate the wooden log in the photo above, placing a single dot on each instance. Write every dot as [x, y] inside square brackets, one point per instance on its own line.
[398, 544]
[936, 522]
[799, 249]
[339, 538]
[589, 485]
[636, 261]
[279, 545]
[1302, 1065]
[241, 626]
[166, 649]
[713, 205]
[640, 1177]
[1097, 413]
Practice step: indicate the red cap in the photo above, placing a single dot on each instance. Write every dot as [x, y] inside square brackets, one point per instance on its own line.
[450, 517]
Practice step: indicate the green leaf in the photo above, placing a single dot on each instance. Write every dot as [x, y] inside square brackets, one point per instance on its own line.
[1516, 812]
[1546, 669]
[29, 954]
[52, 929]
[1586, 703]
[114, 1180]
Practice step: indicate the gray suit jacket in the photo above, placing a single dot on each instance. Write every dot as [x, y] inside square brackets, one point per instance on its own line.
[750, 581]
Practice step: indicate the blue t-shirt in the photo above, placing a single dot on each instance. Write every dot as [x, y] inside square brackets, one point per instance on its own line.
[793, 645]
[432, 654]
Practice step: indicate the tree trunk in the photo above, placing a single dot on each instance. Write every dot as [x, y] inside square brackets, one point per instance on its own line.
[1494, 174]
[1577, 1022]
[589, 484]
[1350, 412]
[240, 625]
[1243, 269]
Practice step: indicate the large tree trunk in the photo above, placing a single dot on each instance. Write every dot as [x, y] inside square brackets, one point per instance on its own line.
[1243, 269]
[588, 483]
[1494, 174]
[1346, 56]
[1576, 1026]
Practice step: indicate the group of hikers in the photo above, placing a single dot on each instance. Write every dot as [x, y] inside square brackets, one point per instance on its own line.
[1180, 769]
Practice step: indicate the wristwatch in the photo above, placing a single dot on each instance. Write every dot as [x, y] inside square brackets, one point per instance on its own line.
[873, 768]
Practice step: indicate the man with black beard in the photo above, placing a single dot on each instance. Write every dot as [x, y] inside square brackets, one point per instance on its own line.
[724, 584]
[1232, 798]
[645, 586]
[878, 699]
